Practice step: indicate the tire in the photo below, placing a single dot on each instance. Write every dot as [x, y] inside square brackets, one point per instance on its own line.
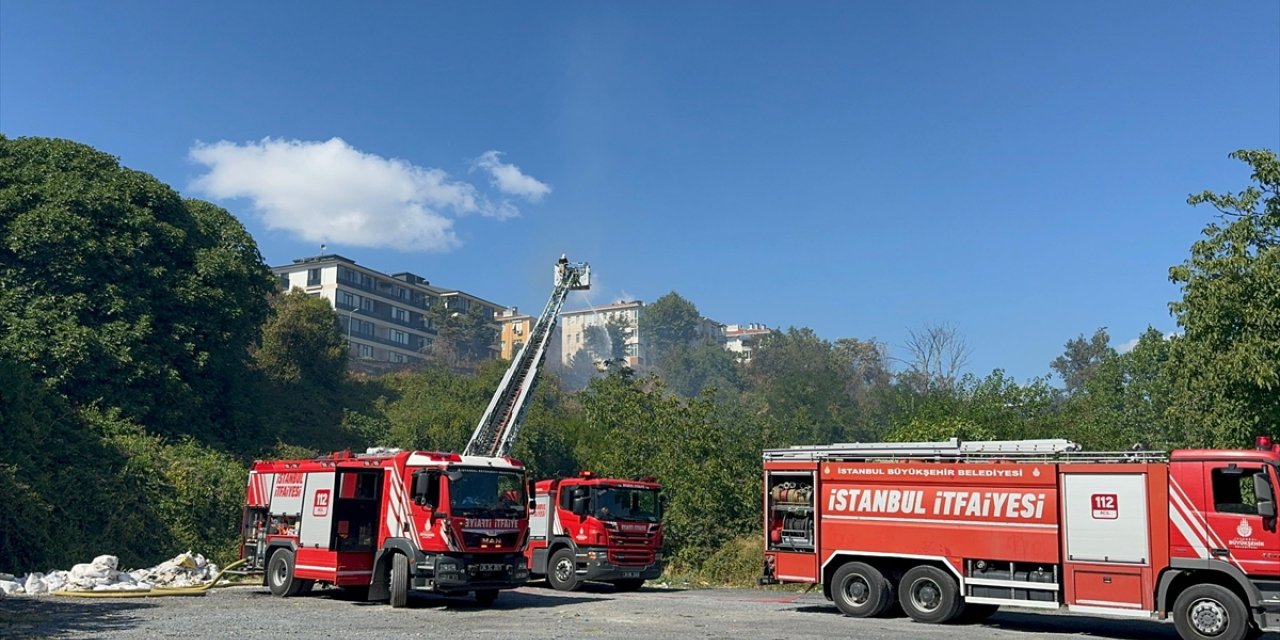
[975, 613]
[1210, 612]
[485, 597]
[632, 584]
[280, 577]
[860, 590]
[562, 571]
[399, 580]
[929, 594]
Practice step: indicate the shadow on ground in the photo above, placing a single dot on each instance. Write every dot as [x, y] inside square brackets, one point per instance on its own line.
[44, 616]
[1034, 624]
[507, 599]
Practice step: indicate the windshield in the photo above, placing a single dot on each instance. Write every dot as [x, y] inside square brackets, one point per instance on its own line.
[485, 493]
[618, 503]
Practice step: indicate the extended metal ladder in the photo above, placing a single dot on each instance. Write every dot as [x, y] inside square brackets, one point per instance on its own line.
[957, 450]
[496, 433]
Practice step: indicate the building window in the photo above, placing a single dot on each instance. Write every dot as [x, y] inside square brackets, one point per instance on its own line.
[366, 280]
[399, 314]
[368, 304]
[348, 300]
[366, 351]
[313, 277]
[284, 281]
[399, 336]
[398, 358]
[362, 327]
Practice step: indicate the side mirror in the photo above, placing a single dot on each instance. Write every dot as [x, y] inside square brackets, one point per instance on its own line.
[1266, 497]
[581, 505]
[533, 504]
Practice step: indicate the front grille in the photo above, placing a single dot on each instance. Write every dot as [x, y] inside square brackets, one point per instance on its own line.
[632, 548]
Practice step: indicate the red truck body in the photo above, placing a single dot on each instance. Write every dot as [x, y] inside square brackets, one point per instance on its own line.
[387, 523]
[596, 529]
[1192, 534]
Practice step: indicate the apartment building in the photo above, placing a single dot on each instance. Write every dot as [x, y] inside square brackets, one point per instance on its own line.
[384, 317]
[574, 336]
[515, 328]
[742, 339]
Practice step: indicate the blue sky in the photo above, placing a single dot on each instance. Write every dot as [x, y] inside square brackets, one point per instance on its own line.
[1016, 169]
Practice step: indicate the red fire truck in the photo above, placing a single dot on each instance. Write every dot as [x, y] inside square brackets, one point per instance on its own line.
[388, 522]
[596, 529]
[953, 530]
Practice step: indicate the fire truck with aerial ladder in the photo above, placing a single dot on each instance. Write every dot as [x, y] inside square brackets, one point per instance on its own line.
[582, 528]
[953, 530]
[389, 522]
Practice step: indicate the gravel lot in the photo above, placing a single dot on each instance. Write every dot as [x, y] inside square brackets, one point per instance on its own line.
[531, 612]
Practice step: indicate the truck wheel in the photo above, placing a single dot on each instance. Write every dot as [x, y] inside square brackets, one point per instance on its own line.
[280, 578]
[485, 597]
[399, 580]
[860, 590]
[1210, 612]
[928, 594]
[563, 570]
[633, 584]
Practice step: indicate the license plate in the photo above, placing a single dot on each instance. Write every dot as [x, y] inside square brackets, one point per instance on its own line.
[486, 568]
[631, 574]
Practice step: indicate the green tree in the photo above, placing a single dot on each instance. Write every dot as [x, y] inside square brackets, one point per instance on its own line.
[463, 338]
[1082, 358]
[690, 369]
[1226, 364]
[122, 294]
[801, 380]
[669, 321]
[1126, 399]
[303, 358]
[868, 382]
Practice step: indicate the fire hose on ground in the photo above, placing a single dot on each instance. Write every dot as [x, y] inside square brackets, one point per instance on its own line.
[154, 592]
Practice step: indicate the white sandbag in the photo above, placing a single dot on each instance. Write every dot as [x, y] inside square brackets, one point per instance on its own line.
[110, 562]
[34, 586]
[89, 571]
[10, 587]
[55, 581]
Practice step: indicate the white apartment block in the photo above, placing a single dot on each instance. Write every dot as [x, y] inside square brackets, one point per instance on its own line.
[383, 317]
[572, 336]
[742, 339]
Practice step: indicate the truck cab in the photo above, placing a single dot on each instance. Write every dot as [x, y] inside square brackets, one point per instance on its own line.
[387, 523]
[596, 529]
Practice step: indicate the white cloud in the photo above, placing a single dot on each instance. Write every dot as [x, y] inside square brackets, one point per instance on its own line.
[332, 192]
[509, 179]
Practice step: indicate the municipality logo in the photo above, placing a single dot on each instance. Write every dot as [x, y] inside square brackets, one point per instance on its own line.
[1243, 529]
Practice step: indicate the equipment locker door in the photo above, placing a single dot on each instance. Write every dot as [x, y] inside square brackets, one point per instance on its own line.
[791, 524]
[1106, 540]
